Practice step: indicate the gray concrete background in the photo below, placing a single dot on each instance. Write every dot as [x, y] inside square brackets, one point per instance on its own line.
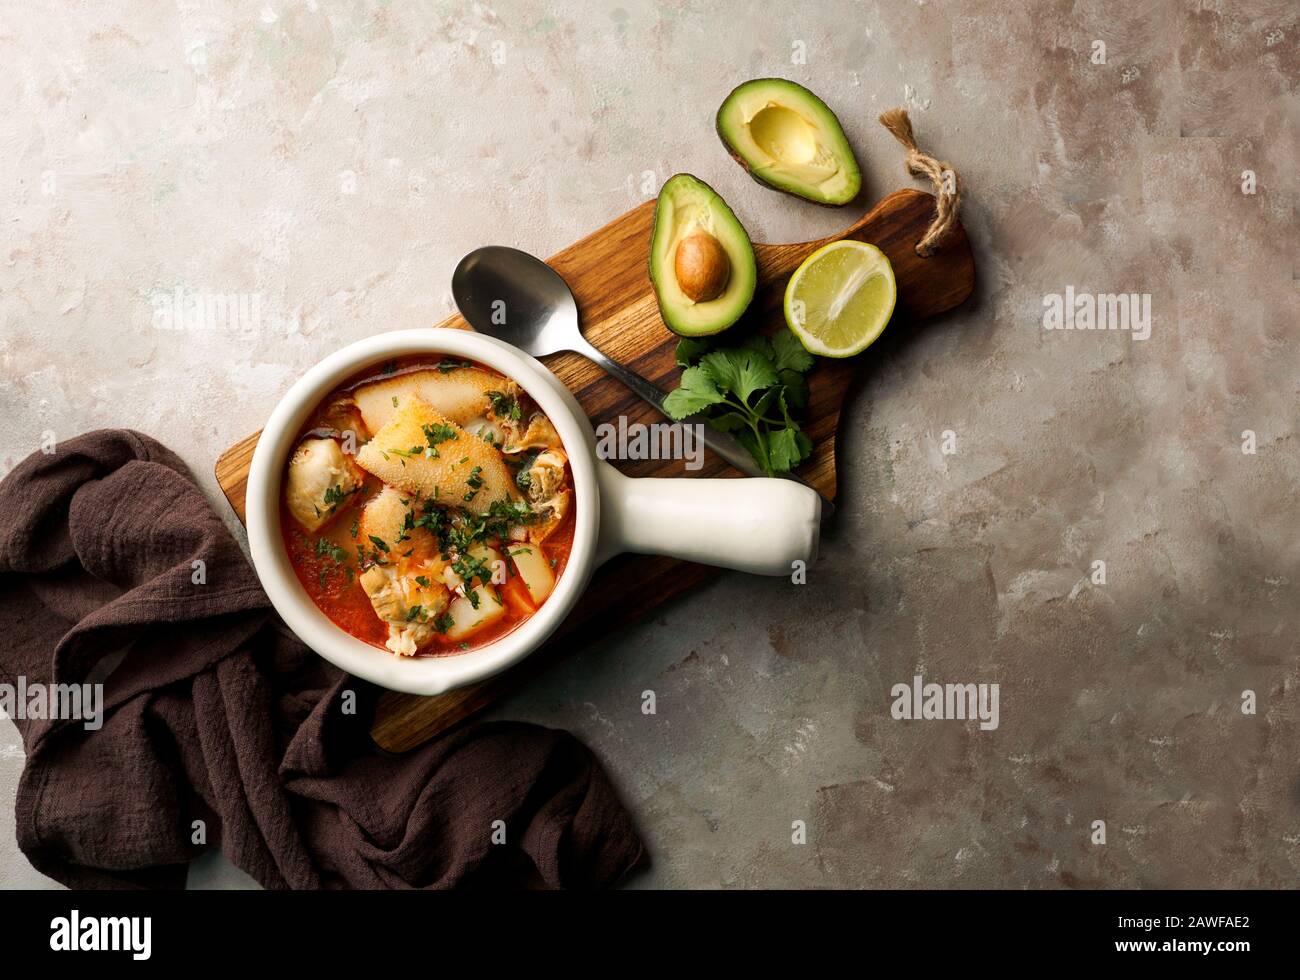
[335, 160]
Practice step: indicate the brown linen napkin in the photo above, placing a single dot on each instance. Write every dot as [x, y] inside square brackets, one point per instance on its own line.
[216, 713]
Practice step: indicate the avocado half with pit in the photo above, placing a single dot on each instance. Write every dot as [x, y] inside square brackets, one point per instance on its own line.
[787, 138]
[701, 261]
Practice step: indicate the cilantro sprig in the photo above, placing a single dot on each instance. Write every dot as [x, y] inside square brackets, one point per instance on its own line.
[753, 391]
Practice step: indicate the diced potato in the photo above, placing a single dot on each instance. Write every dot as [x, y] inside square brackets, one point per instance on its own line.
[459, 467]
[494, 568]
[466, 620]
[515, 595]
[534, 569]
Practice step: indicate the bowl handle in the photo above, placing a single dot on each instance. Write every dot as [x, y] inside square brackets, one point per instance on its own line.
[756, 524]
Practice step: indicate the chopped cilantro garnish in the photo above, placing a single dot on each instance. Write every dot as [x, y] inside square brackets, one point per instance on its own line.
[336, 495]
[435, 433]
[505, 406]
[327, 548]
[470, 568]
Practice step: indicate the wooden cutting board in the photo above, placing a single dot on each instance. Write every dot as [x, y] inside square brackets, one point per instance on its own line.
[607, 273]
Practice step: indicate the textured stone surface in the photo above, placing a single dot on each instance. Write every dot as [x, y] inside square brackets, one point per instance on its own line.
[331, 163]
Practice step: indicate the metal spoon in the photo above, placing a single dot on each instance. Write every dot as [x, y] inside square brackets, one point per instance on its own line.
[518, 298]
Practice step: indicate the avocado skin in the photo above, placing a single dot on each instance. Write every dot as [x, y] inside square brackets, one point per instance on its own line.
[744, 268]
[745, 164]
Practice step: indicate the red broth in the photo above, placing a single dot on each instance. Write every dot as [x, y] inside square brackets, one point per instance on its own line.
[331, 561]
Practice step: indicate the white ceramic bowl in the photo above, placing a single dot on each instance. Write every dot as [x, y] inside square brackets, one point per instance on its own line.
[755, 525]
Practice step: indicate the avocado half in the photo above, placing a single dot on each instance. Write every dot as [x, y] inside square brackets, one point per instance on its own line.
[701, 260]
[787, 138]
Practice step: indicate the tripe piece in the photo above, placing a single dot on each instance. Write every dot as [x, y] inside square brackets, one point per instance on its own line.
[410, 608]
[320, 480]
[547, 493]
[460, 394]
[421, 451]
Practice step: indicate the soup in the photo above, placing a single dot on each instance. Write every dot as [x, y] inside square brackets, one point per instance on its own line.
[427, 507]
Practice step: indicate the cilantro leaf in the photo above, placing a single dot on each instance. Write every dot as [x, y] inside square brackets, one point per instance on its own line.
[505, 406]
[741, 372]
[759, 345]
[757, 447]
[788, 354]
[795, 389]
[728, 422]
[765, 402]
[805, 445]
[697, 392]
[690, 350]
[783, 449]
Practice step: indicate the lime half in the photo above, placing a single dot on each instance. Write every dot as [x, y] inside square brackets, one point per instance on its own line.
[841, 298]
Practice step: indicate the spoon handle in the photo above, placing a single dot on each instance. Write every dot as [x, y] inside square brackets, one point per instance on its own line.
[719, 442]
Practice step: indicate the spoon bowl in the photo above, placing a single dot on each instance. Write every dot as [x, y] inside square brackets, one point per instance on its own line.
[518, 298]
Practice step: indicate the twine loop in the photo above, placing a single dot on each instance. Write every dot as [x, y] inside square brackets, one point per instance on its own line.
[946, 181]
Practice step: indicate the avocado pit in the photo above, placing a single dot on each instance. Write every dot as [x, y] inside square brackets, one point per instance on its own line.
[702, 267]
[701, 262]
